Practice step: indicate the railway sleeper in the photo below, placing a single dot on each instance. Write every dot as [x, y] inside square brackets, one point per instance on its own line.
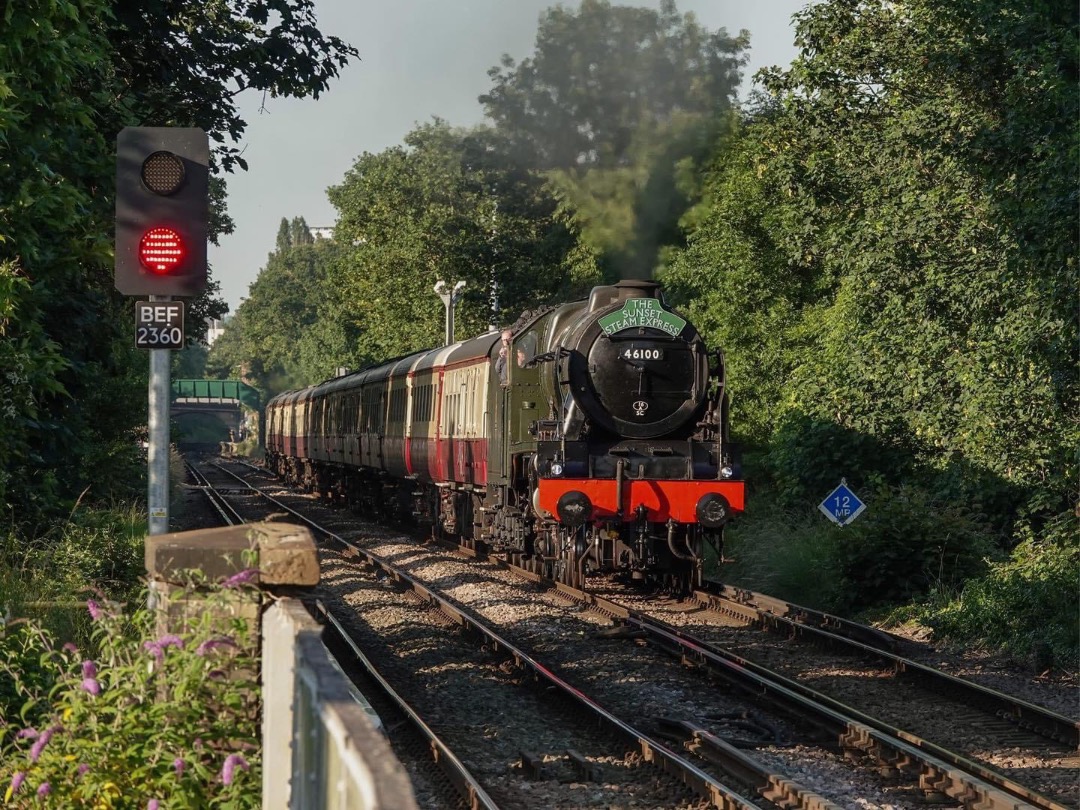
[779, 790]
[584, 769]
[532, 765]
[940, 787]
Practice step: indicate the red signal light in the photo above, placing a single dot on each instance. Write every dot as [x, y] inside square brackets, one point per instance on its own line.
[161, 250]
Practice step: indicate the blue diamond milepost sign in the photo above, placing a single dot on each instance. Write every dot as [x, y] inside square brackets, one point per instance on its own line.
[842, 506]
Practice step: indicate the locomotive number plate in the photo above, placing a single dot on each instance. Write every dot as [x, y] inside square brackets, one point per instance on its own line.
[632, 353]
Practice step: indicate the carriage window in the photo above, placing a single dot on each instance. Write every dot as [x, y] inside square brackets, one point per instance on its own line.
[422, 406]
[397, 405]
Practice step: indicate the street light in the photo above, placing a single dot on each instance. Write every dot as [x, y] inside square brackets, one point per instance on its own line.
[449, 298]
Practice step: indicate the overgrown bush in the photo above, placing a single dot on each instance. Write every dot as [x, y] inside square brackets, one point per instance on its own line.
[807, 457]
[789, 554]
[906, 543]
[141, 720]
[101, 548]
[1027, 605]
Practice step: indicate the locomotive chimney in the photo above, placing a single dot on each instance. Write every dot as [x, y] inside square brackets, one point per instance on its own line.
[601, 297]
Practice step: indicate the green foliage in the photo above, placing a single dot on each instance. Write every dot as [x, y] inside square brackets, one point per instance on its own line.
[807, 457]
[190, 362]
[72, 74]
[449, 205]
[929, 170]
[603, 75]
[888, 257]
[94, 547]
[788, 553]
[31, 363]
[905, 543]
[619, 105]
[746, 289]
[194, 58]
[297, 287]
[1026, 604]
[137, 717]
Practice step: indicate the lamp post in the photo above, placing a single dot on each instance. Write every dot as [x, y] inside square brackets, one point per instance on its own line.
[449, 298]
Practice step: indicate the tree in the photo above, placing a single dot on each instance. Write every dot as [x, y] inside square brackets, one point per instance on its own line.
[266, 342]
[910, 201]
[72, 74]
[744, 284]
[448, 205]
[601, 75]
[619, 105]
[935, 165]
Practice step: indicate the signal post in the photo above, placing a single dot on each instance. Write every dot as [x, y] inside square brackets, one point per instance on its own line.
[162, 210]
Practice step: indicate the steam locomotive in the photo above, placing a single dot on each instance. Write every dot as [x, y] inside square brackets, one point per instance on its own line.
[593, 437]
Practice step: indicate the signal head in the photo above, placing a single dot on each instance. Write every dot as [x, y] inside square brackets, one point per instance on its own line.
[162, 208]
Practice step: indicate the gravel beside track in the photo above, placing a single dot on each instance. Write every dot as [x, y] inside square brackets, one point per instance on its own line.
[483, 699]
[1051, 769]
[481, 706]
[633, 681]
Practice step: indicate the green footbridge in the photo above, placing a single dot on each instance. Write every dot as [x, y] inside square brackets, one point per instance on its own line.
[199, 406]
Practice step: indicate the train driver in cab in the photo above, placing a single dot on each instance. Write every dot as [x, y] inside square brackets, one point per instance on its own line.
[501, 361]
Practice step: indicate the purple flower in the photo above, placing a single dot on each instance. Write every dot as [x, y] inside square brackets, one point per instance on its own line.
[17, 780]
[27, 733]
[95, 609]
[92, 686]
[43, 790]
[231, 761]
[178, 764]
[213, 643]
[71, 648]
[41, 742]
[152, 804]
[83, 768]
[241, 578]
[89, 669]
[157, 648]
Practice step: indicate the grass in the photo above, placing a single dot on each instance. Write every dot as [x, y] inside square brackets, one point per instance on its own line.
[911, 560]
[786, 554]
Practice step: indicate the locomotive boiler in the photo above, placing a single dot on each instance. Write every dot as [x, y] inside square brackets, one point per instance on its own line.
[592, 437]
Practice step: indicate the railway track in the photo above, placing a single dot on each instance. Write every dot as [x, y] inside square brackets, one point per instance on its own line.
[905, 766]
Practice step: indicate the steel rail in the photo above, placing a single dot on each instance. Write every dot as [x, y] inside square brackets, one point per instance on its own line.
[722, 597]
[228, 515]
[718, 794]
[467, 785]
[762, 609]
[942, 770]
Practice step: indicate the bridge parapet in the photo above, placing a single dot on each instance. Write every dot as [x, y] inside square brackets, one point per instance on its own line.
[320, 749]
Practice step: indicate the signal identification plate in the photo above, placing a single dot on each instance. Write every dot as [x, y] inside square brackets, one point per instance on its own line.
[159, 324]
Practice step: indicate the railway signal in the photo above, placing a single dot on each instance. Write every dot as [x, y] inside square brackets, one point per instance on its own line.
[162, 207]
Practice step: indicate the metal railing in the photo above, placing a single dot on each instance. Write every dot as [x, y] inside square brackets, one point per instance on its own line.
[320, 747]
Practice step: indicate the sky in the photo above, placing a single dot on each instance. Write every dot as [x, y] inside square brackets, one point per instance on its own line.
[418, 59]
